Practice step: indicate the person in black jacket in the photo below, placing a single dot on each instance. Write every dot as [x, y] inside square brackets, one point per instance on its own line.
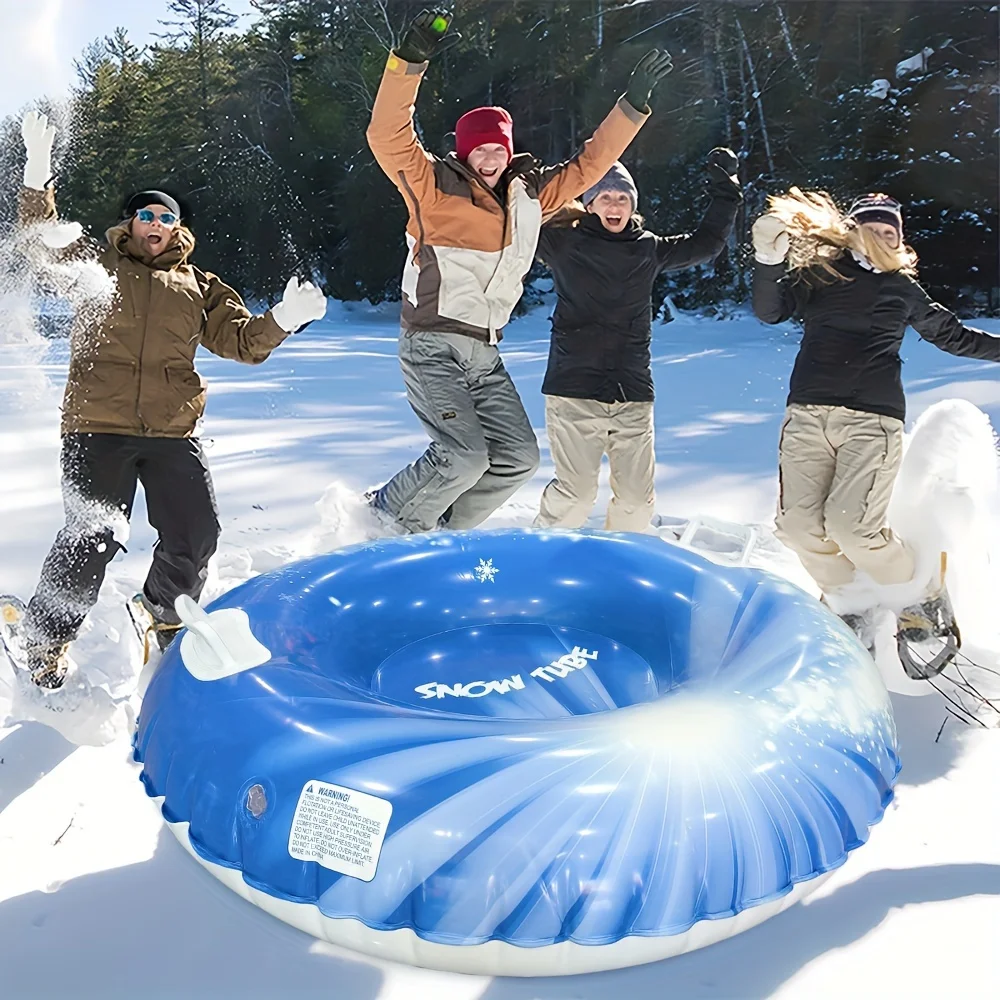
[598, 384]
[850, 279]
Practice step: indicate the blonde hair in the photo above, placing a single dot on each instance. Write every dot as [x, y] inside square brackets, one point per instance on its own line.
[819, 233]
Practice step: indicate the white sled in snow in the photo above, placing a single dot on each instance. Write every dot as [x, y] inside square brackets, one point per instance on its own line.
[722, 541]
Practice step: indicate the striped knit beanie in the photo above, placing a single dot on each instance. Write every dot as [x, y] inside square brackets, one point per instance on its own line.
[878, 208]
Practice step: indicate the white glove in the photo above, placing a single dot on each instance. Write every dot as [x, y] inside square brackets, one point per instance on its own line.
[38, 137]
[300, 304]
[770, 240]
[60, 235]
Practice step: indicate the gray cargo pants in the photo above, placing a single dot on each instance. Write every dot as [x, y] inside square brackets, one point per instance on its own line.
[482, 445]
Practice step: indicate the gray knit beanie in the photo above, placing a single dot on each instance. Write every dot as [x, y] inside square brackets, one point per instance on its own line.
[616, 179]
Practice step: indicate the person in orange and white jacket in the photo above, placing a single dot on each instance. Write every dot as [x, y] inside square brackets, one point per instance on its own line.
[475, 217]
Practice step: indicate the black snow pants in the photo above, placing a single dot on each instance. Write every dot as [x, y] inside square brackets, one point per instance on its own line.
[99, 477]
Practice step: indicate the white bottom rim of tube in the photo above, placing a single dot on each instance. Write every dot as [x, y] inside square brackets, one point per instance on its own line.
[494, 958]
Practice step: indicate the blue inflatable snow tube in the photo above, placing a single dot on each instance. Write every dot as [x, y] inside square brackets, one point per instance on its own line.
[520, 753]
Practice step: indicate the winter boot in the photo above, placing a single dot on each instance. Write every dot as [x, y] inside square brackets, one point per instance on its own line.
[382, 523]
[153, 621]
[48, 665]
[928, 637]
[863, 626]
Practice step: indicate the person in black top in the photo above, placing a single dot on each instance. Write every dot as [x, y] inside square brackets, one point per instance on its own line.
[850, 280]
[598, 384]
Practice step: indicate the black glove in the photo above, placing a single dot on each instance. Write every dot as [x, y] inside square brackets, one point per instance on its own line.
[722, 167]
[427, 36]
[649, 71]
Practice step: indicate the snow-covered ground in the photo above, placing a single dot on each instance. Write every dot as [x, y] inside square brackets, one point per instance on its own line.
[98, 900]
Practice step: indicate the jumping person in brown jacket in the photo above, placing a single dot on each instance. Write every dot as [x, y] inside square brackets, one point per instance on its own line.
[132, 404]
[474, 222]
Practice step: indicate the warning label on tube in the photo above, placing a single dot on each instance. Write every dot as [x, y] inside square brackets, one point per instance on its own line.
[340, 828]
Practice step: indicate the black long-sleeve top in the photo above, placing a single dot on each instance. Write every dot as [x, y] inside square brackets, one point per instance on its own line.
[601, 327]
[853, 330]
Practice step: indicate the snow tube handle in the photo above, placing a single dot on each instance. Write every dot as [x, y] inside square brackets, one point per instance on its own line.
[219, 644]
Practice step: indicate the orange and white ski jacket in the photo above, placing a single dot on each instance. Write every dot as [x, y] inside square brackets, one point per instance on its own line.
[468, 249]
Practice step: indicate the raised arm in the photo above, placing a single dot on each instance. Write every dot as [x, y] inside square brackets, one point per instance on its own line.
[563, 182]
[232, 331]
[35, 207]
[707, 241]
[391, 135]
[37, 200]
[773, 298]
[945, 330]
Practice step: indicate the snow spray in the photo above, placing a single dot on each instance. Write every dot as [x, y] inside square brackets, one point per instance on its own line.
[46, 293]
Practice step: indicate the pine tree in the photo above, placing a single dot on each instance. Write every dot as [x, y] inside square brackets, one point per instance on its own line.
[200, 26]
[105, 148]
[261, 132]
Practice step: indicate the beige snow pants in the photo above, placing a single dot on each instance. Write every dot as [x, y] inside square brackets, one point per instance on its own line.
[836, 472]
[581, 432]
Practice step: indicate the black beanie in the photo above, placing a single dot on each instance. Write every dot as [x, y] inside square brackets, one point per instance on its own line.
[144, 198]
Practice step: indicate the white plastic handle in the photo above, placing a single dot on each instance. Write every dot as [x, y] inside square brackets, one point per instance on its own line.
[219, 644]
[196, 620]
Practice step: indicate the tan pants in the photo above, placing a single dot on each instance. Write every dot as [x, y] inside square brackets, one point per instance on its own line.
[837, 469]
[581, 432]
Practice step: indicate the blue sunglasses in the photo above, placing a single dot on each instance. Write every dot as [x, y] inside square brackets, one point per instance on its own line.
[148, 215]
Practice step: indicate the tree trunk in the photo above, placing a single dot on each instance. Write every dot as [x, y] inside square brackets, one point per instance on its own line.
[720, 61]
[203, 66]
[788, 37]
[757, 98]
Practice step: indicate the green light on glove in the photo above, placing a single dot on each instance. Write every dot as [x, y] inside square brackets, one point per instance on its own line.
[439, 25]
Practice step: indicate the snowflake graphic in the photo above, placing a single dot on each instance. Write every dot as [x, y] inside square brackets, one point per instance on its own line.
[485, 571]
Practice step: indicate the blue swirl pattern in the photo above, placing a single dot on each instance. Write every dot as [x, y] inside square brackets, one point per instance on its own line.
[583, 736]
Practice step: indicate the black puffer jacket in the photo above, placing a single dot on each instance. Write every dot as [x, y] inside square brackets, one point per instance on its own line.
[603, 318]
[853, 331]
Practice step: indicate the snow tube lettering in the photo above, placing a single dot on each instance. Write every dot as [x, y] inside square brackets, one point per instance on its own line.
[522, 753]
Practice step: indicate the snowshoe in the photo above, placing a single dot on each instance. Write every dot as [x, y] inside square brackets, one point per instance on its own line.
[863, 626]
[151, 621]
[928, 637]
[48, 664]
[11, 615]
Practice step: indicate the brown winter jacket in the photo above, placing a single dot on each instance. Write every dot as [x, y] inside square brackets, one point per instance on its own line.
[469, 247]
[133, 372]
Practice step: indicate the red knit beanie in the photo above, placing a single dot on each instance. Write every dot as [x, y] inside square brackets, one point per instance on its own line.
[482, 125]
